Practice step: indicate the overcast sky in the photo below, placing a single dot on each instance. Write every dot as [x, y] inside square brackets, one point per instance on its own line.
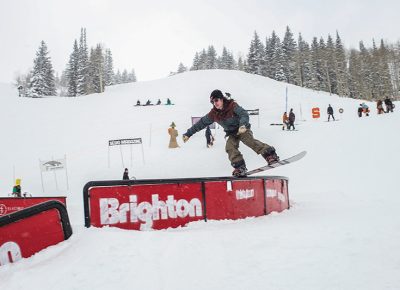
[153, 36]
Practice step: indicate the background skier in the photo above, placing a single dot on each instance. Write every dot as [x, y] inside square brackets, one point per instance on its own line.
[235, 121]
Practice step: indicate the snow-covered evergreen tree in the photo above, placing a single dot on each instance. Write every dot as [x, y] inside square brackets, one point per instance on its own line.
[82, 77]
[96, 70]
[108, 68]
[341, 67]
[118, 78]
[132, 76]
[289, 50]
[72, 71]
[42, 82]
[255, 57]
[196, 62]
[181, 68]
[211, 62]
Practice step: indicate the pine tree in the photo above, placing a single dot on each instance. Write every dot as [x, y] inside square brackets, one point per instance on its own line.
[240, 64]
[289, 50]
[72, 71]
[132, 76]
[255, 57]
[96, 69]
[386, 85]
[196, 62]
[108, 68]
[317, 67]
[181, 68]
[341, 67]
[366, 73]
[42, 82]
[331, 65]
[211, 58]
[82, 77]
[118, 78]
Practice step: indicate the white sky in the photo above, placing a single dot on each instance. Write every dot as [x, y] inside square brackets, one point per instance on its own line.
[153, 36]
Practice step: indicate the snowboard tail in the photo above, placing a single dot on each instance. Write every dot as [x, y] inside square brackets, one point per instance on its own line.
[279, 163]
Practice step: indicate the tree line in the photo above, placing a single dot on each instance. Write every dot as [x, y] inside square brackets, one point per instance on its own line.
[86, 72]
[324, 65]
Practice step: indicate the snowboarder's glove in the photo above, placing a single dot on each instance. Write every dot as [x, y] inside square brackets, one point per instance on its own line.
[185, 138]
[242, 129]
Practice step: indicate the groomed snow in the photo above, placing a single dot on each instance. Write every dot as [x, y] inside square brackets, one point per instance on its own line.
[342, 231]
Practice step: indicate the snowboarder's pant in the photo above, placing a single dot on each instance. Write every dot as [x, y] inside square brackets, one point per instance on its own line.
[291, 124]
[232, 146]
[329, 117]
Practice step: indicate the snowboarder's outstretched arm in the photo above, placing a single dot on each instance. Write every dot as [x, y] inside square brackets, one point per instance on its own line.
[243, 116]
[200, 125]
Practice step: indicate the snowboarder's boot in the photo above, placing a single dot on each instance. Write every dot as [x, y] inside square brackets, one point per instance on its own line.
[240, 169]
[270, 155]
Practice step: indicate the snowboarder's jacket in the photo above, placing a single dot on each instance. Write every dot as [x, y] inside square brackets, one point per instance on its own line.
[330, 110]
[231, 117]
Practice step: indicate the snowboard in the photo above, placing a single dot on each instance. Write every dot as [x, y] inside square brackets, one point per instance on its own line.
[279, 163]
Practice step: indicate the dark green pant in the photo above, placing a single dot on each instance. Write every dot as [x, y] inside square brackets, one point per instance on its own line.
[232, 146]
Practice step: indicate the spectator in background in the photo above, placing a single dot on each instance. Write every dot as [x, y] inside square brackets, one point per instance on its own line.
[379, 107]
[126, 174]
[360, 111]
[389, 105]
[330, 113]
[173, 134]
[17, 188]
[285, 121]
[292, 118]
[158, 102]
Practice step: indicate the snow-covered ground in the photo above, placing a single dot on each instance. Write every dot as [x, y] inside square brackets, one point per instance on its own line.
[342, 231]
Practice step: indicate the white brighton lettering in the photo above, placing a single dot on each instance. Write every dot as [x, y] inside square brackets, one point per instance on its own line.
[275, 193]
[244, 193]
[111, 212]
[10, 252]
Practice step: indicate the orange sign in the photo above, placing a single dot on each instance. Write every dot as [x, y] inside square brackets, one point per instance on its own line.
[315, 113]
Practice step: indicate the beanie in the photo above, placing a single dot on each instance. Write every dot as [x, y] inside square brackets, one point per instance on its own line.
[216, 94]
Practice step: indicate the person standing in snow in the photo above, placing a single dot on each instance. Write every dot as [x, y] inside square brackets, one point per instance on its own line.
[126, 174]
[173, 134]
[17, 188]
[235, 121]
[292, 118]
[330, 113]
[209, 137]
[379, 107]
[285, 121]
[389, 105]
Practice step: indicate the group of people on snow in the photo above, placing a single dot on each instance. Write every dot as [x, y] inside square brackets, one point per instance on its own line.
[288, 121]
[388, 103]
[149, 103]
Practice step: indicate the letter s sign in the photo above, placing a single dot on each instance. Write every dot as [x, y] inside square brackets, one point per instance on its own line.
[9, 253]
[315, 113]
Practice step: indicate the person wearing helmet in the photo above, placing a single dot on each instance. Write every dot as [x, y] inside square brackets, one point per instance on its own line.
[235, 121]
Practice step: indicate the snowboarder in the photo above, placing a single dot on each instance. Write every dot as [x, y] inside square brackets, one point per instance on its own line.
[292, 117]
[285, 121]
[209, 137]
[138, 103]
[169, 101]
[148, 103]
[158, 102]
[330, 113]
[173, 134]
[126, 174]
[17, 188]
[235, 121]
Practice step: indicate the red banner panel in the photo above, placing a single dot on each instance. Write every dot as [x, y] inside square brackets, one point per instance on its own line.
[148, 206]
[277, 197]
[28, 231]
[234, 199]
[13, 204]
